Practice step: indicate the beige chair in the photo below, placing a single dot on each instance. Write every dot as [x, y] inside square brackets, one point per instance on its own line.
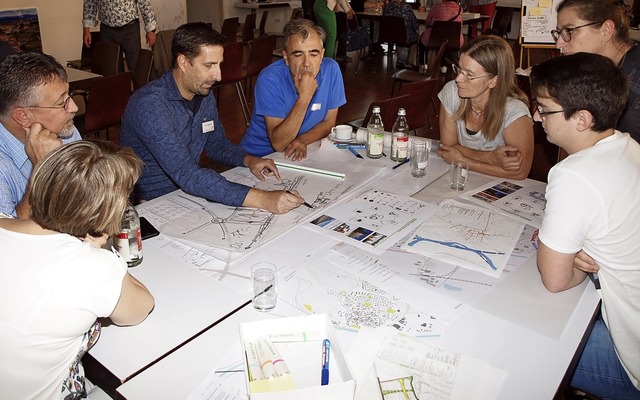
[162, 53]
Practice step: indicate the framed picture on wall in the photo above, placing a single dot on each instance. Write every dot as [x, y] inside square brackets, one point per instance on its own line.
[20, 29]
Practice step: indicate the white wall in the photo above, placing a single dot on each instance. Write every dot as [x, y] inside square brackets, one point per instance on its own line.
[61, 22]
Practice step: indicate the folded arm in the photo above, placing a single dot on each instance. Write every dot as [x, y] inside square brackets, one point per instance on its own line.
[557, 269]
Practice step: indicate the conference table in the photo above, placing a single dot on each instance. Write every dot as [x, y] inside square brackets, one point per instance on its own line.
[516, 327]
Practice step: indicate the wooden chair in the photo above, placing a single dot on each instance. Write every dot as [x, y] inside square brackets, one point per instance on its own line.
[388, 111]
[162, 57]
[501, 23]
[393, 32]
[442, 31]
[248, 29]
[483, 9]
[230, 29]
[260, 56]
[86, 54]
[433, 70]
[263, 24]
[105, 105]
[231, 71]
[421, 95]
[105, 58]
[142, 72]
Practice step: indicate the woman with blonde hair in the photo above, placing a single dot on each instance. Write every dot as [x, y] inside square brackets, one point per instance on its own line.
[484, 116]
[56, 280]
[602, 27]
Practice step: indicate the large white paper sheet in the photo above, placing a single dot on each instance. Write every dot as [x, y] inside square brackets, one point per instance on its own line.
[469, 236]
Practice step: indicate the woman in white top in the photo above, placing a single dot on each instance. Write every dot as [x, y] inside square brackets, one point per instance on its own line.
[484, 116]
[56, 280]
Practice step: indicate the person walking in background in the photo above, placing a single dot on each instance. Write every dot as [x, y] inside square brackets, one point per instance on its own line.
[398, 8]
[119, 24]
[325, 12]
[602, 27]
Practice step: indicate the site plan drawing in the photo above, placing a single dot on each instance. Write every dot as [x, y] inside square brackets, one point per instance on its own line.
[467, 235]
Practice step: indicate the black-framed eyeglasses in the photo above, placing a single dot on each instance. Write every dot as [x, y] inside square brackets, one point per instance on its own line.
[538, 109]
[65, 105]
[457, 71]
[565, 33]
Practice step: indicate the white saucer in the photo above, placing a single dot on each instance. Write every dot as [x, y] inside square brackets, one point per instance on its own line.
[332, 136]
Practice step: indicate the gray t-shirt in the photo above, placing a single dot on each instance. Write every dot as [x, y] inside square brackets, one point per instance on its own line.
[451, 101]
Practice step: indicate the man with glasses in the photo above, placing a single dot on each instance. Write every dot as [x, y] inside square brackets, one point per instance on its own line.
[36, 117]
[296, 98]
[591, 217]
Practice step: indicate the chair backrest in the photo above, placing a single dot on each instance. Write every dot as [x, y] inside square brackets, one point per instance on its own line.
[445, 30]
[142, 72]
[388, 110]
[436, 62]
[230, 29]
[392, 30]
[418, 102]
[263, 23]
[106, 103]
[249, 27]
[105, 58]
[86, 56]
[261, 54]
[162, 52]
[297, 13]
[231, 68]
[502, 21]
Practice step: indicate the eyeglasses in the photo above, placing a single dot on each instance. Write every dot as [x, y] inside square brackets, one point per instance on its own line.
[542, 114]
[565, 33]
[457, 70]
[66, 105]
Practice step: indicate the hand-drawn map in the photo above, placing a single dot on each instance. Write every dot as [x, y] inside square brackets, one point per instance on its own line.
[469, 236]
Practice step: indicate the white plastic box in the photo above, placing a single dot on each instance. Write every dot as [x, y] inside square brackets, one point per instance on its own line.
[303, 359]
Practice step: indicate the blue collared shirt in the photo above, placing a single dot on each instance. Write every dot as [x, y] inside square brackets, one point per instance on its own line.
[15, 169]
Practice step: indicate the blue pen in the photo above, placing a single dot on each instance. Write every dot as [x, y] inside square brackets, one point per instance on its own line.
[354, 152]
[326, 349]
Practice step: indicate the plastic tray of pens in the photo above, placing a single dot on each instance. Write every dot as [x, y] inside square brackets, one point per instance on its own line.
[296, 357]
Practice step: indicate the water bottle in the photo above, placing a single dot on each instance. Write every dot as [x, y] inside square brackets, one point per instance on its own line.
[400, 137]
[129, 241]
[375, 133]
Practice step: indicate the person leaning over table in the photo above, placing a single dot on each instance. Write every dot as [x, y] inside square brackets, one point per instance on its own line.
[590, 222]
[602, 27]
[296, 98]
[36, 117]
[119, 23]
[56, 280]
[172, 120]
[484, 116]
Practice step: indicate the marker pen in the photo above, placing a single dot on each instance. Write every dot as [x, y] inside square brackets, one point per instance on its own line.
[279, 366]
[255, 372]
[295, 337]
[326, 349]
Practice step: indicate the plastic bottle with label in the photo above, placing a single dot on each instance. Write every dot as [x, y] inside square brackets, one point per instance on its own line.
[375, 133]
[400, 137]
[129, 241]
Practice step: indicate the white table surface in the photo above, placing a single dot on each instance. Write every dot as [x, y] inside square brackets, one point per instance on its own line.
[535, 362]
[186, 302]
[75, 75]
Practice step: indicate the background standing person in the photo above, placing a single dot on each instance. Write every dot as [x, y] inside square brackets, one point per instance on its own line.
[172, 120]
[398, 8]
[484, 116]
[119, 24]
[590, 222]
[56, 280]
[325, 13]
[36, 117]
[602, 27]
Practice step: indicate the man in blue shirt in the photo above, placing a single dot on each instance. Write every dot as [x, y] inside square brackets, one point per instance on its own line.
[170, 121]
[296, 98]
[36, 117]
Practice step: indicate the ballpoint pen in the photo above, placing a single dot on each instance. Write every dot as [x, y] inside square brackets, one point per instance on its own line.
[402, 163]
[305, 202]
[354, 152]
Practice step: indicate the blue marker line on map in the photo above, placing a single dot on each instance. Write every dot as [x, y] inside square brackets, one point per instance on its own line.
[459, 246]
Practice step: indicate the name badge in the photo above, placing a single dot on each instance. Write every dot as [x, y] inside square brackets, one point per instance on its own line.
[207, 126]
[316, 106]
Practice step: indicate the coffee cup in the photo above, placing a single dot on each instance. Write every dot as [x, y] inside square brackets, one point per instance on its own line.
[342, 132]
